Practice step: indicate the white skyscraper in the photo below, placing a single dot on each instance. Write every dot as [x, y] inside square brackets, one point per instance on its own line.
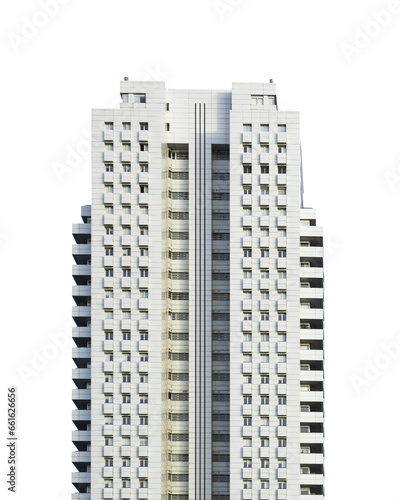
[199, 302]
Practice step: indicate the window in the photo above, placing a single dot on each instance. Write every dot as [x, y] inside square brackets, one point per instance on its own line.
[304, 428]
[109, 125]
[109, 272]
[139, 98]
[305, 368]
[126, 251]
[144, 210]
[126, 209]
[109, 188]
[247, 148]
[109, 229]
[257, 100]
[144, 441]
[126, 398]
[305, 491]
[281, 337]
[247, 337]
[282, 400]
[247, 379]
[281, 148]
[264, 233]
[264, 295]
[126, 377]
[143, 378]
[108, 420]
[126, 125]
[143, 483]
[247, 463]
[281, 358]
[126, 420]
[108, 335]
[144, 315]
[126, 483]
[264, 337]
[282, 421]
[247, 211]
[126, 146]
[281, 253]
[143, 462]
[108, 377]
[281, 232]
[281, 169]
[144, 188]
[108, 441]
[144, 126]
[125, 97]
[247, 442]
[126, 335]
[247, 295]
[264, 169]
[264, 484]
[126, 273]
[282, 485]
[281, 128]
[144, 420]
[144, 146]
[109, 167]
[247, 484]
[264, 189]
[143, 356]
[247, 400]
[264, 128]
[109, 314]
[144, 273]
[126, 188]
[281, 379]
[108, 483]
[247, 316]
[247, 169]
[109, 146]
[264, 442]
[264, 148]
[126, 167]
[247, 274]
[264, 252]
[143, 399]
[281, 190]
[144, 167]
[281, 316]
[305, 449]
[264, 463]
[264, 274]
[282, 211]
[264, 379]
[282, 442]
[281, 275]
[247, 127]
[265, 401]
[108, 398]
[264, 358]
[144, 294]
[144, 336]
[109, 251]
[126, 230]
[282, 463]
[126, 441]
[247, 252]
[264, 421]
[264, 316]
[247, 421]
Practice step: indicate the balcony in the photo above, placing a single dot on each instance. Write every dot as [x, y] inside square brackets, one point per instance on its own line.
[246, 199]
[81, 415]
[81, 353]
[81, 394]
[81, 436]
[247, 410]
[108, 156]
[264, 200]
[247, 179]
[81, 457]
[311, 396]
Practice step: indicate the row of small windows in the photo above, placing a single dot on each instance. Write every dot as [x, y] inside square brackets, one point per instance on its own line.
[127, 167]
[126, 188]
[264, 148]
[126, 126]
[264, 169]
[126, 146]
[247, 127]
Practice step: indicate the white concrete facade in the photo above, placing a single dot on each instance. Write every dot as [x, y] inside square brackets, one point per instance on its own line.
[199, 302]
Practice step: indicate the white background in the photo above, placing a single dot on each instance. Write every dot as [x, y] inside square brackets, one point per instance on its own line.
[350, 109]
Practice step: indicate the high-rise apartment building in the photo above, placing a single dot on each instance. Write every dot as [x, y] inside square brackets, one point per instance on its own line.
[199, 302]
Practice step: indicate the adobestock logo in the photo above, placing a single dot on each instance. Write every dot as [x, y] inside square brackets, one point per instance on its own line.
[373, 369]
[39, 20]
[363, 36]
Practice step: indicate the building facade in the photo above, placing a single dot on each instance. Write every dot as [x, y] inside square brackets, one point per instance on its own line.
[199, 302]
